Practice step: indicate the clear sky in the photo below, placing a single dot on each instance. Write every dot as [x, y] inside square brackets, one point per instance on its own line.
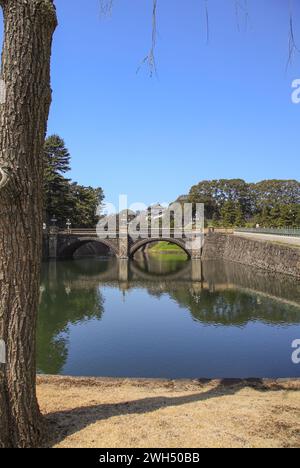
[221, 110]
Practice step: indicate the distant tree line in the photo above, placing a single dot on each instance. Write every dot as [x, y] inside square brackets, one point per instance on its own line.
[64, 199]
[234, 202]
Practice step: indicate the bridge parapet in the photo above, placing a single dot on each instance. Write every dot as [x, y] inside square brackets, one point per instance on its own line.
[64, 243]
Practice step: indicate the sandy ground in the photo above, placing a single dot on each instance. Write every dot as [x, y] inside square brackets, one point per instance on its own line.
[120, 413]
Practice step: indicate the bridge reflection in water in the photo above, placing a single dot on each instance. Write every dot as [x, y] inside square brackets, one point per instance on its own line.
[166, 318]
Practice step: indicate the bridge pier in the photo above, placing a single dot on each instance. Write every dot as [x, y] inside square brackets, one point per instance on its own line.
[197, 275]
[196, 254]
[123, 271]
[52, 275]
[123, 248]
[196, 245]
[123, 237]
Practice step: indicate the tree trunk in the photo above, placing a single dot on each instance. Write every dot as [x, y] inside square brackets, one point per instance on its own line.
[29, 26]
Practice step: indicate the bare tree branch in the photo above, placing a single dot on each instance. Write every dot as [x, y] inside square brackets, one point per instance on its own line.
[241, 7]
[150, 57]
[207, 21]
[293, 47]
[106, 7]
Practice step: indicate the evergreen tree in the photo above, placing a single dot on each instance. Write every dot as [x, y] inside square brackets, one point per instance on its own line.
[57, 196]
[287, 215]
[239, 216]
[275, 217]
[62, 198]
[264, 217]
[228, 214]
[85, 203]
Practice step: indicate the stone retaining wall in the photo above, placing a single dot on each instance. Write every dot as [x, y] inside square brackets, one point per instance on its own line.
[260, 254]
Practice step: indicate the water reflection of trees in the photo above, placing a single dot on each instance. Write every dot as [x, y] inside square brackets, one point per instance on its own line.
[233, 294]
[62, 305]
[235, 307]
[221, 294]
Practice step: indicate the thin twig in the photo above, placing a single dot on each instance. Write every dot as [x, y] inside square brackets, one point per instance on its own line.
[106, 7]
[293, 47]
[150, 57]
[241, 7]
[207, 21]
[237, 15]
[246, 14]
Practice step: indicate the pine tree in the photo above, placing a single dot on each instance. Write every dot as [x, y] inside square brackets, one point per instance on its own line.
[275, 216]
[287, 216]
[85, 203]
[264, 217]
[228, 213]
[57, 195]
[239, 216]
[297, 217]
[62, 198]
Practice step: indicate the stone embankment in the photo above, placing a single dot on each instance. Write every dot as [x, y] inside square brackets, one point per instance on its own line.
[256, 253]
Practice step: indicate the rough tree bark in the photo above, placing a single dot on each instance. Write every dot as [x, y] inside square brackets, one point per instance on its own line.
[28, 31]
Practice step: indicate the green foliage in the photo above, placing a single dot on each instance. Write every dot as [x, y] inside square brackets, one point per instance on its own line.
[239, 218]
[85, 200]
[62, 198]
[228, 213]
[56, 186]
[233, 202]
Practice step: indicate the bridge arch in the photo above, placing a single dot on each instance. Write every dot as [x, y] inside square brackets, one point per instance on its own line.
[141, 243]
[69, 249]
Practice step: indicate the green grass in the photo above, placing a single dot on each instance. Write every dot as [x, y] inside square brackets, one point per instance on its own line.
[166, 248]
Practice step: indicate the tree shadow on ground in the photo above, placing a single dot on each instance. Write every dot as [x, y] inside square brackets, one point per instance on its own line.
[65, 423]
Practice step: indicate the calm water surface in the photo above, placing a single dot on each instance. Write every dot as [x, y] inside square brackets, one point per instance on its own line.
[166, 318]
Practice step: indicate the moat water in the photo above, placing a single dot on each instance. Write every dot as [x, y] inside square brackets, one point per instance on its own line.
[166, 318]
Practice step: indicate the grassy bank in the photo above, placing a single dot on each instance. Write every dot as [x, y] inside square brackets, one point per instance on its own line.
[167, 248]
[129, 413]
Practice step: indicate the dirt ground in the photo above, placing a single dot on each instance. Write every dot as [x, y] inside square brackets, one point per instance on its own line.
[123, 413]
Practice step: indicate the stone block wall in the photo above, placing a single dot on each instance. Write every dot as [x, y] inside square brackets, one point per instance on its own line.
[260, 254]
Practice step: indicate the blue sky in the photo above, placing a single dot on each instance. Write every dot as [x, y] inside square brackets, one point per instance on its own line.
[221, 110]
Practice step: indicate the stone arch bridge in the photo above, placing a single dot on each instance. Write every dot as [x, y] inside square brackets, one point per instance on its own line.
[63, 244]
